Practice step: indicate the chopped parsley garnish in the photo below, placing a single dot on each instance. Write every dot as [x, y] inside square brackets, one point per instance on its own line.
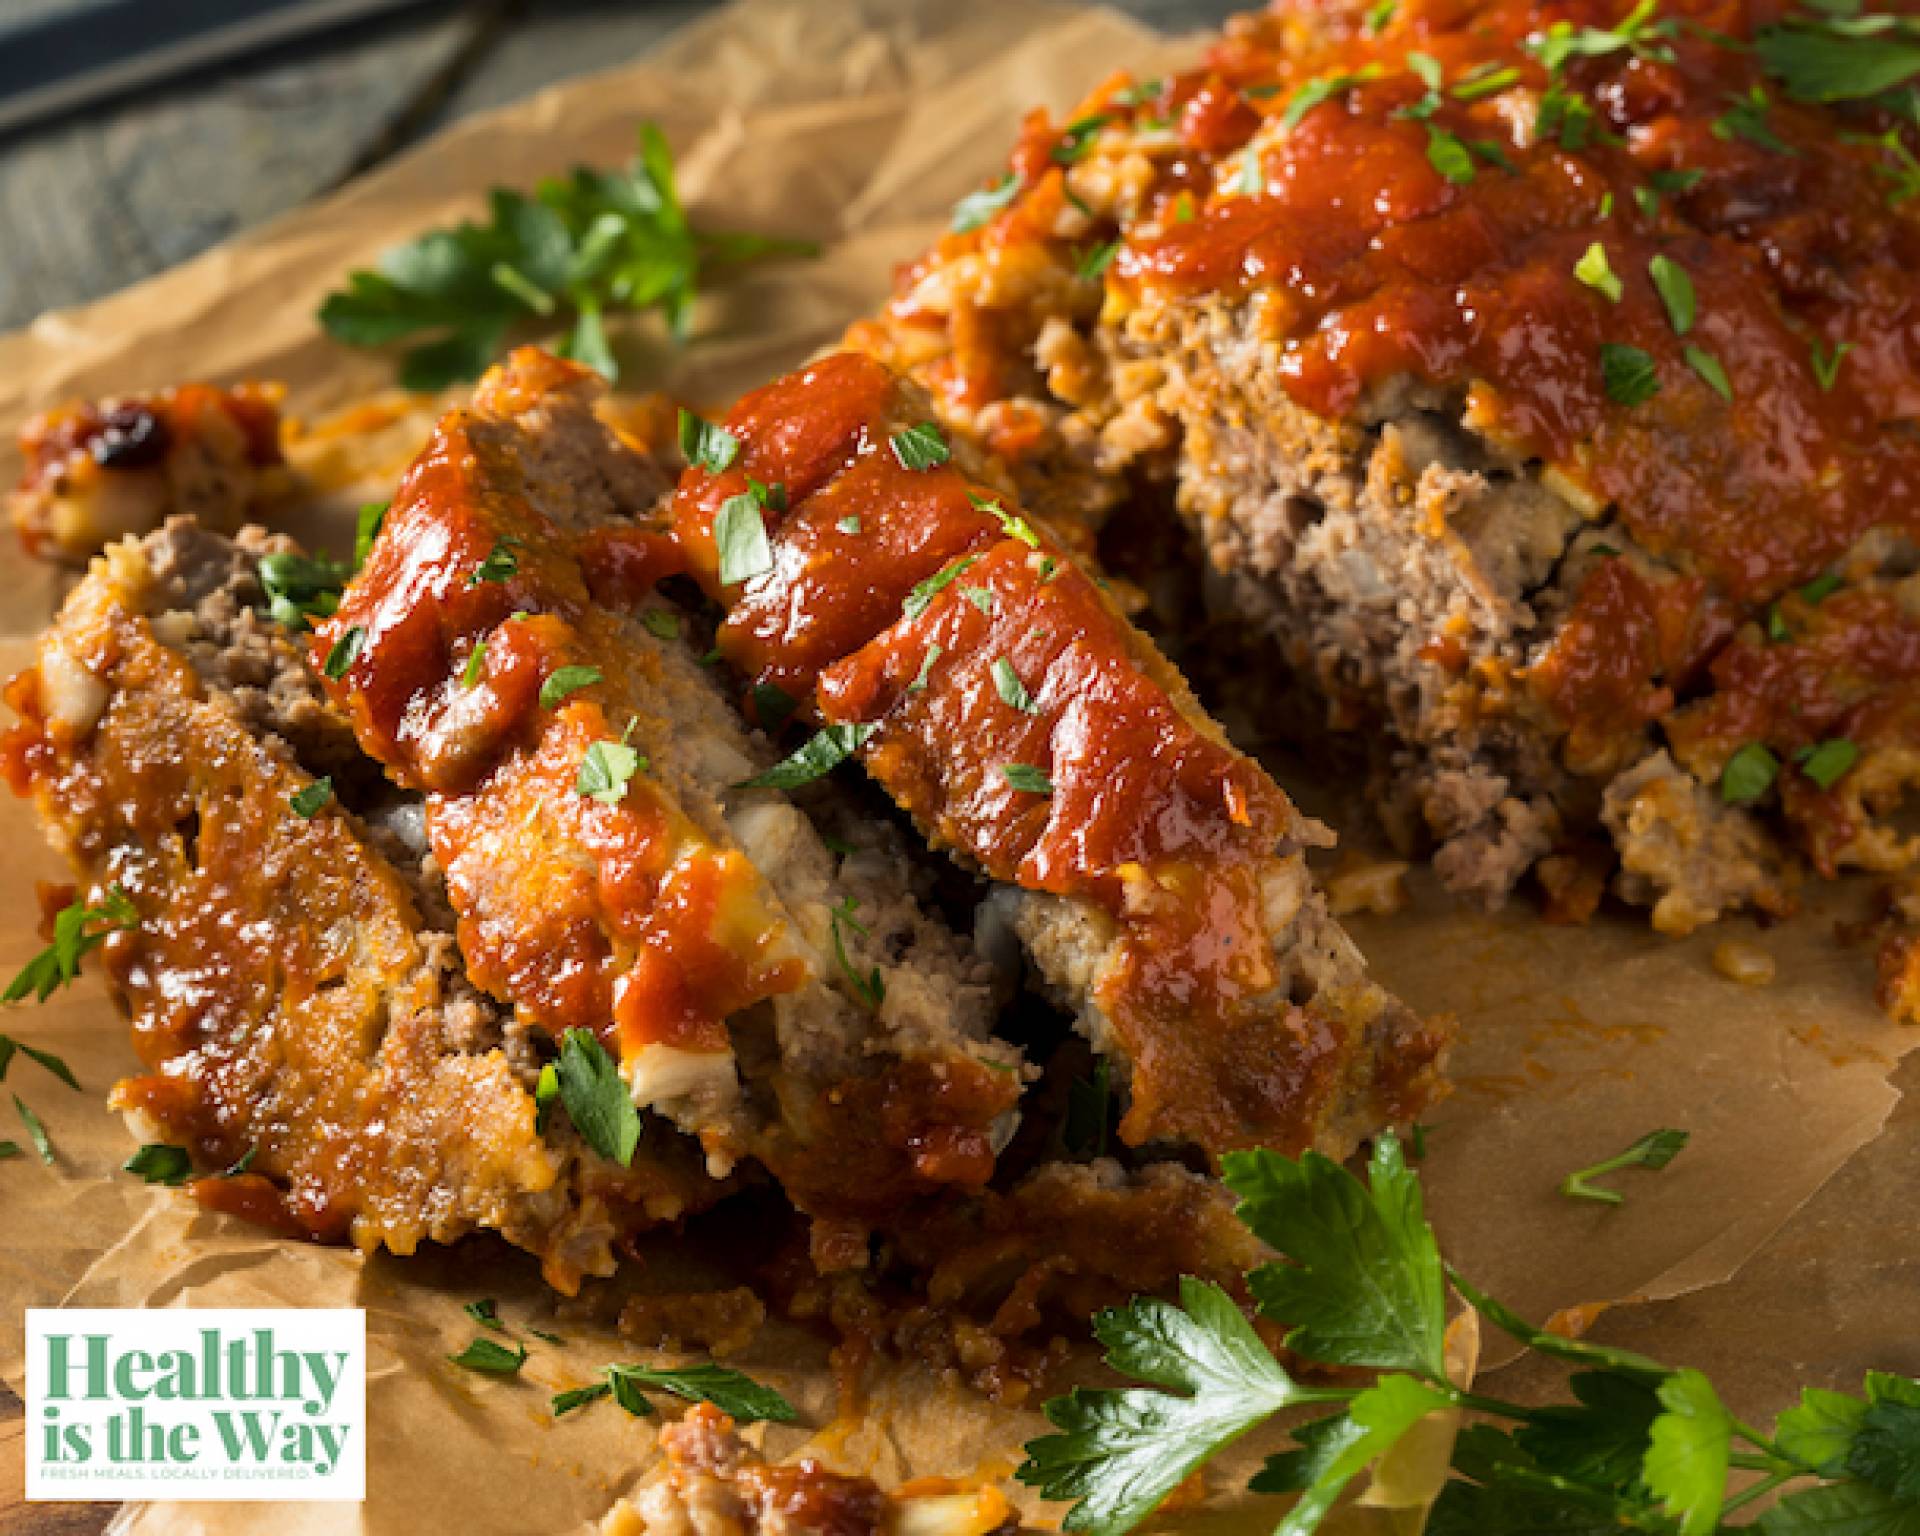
[344, 653]
[1427, 68]
[1777, 630]
[367, 523]
[596, 1098]
[1139, 93]
[1077, 138]
[824, 751]
[605, 771]
[306, 802]
[1673, 183]
[546, 1094]
[1026, 778]
[1013, 692]
[158, 1163]
[1746, 118]
[850, 523]
[1654, 1150]
[706, 446]
[924, 592]
[738, 1396]
[1709, 368]
[980, 597]
[1828, 762]
[589, 242]
[1748, 775]
[486, 1313]
[562, 681]
[921, 446]
[1448, 155]
[36, 1132]
[77, 930]
[661, 624]
[44, 1059]
[1627, 374]
[1488, 79]
[1826, 365]
[1013, 526]
[919, 683]
[1324, 89]
[1566, 117]
[501, 564]
[872, 987]
[1095, 260]
[740, 535]
[1822, 587]
[475, 664]
[1563, 41]
[300, 587]
[980, 208]
[1843, 56]
[1675, 287]
[1597, 273]
[240, 1164]
[9, 1149]
[491, 1358]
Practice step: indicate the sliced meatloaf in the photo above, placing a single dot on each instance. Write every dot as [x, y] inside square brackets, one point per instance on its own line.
[1540, 378]
[613, 869]
[292, 976]
[98, 471]
[1155, 874]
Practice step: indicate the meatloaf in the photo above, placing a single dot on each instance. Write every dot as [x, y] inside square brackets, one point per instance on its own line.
[1538, 377]
[291, 970]
[96, 471]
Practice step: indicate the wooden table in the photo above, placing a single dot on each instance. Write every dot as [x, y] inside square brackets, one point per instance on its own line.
[92, 202]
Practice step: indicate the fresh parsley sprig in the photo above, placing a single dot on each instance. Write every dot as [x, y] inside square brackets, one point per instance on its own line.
[586, 243]
[1639, 1446]
[77, 929]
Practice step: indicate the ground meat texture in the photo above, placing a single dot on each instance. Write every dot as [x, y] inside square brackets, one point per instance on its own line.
[1000, 698]
[714, 1484]
[779, 1007]
[96, 471]
[1375, 391]
[291, 1003]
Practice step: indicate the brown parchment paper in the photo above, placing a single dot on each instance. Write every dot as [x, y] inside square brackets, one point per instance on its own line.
[858, 123]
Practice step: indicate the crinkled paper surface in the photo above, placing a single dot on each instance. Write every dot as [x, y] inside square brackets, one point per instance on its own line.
[1782, 1247]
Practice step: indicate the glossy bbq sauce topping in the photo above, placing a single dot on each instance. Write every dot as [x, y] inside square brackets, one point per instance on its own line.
[657, 937]
[1421, 196]
[1015, 715]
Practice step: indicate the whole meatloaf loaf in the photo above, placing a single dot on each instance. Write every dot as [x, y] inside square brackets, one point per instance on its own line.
[1541, 378]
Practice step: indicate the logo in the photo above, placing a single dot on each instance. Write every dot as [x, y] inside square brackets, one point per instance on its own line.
[175, 1404]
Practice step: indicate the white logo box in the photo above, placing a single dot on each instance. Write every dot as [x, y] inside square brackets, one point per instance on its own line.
[178, 1404]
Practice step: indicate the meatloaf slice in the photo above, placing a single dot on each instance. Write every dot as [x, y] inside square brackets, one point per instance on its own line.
[294, 985]
[989, 685]
[99, 471]
[586, 782]
[1539, 378]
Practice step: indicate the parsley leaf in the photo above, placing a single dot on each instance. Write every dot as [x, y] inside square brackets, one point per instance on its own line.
[1324, 89]
[306, 801]
[826, 750]
[1814, 60]
[596, 1097]
[741, 537]
[491, 1358]
[1026, 778]
[344, 652]
[565, 1402]
[501, 564]
[605, 771]
[1688, 1449]
[1594, 270]
[1675, 288]
[300, 587]
[706, 446]
[736, 1395]
[1013, 692]
[36, 1132]
[920, 447]
[1827, 763]
[486, 1313]
[1654, 1150]
[562, 681]
[980, 208]
[1117, 1454]
[1364, 1285]
[1826, 365]
[1374, 1422]
[158, 1163]
[872, 987]
[367, 523]
[1709, 368]
[1886, 1444]
[1627, 374]
[78, 929]
[589, 242]
[924, 592]
[1447, 155]
[1748, 775]
[1819, 1433]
